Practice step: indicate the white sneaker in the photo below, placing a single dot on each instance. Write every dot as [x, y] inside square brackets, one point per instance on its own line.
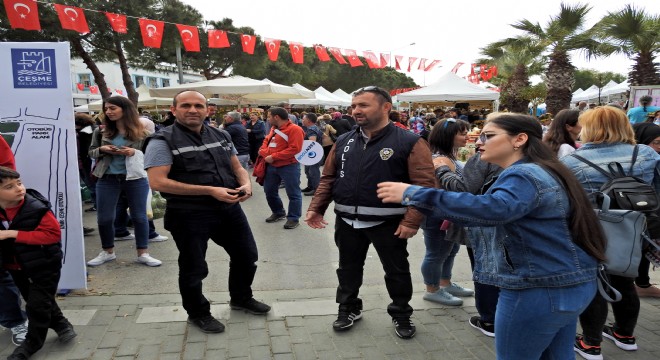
[146, 259]
[18, 333]
[127, 237]
[159, 238]
[102, 258]
[458, 290]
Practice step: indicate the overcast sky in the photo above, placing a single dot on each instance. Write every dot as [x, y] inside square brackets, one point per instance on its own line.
[450, 31]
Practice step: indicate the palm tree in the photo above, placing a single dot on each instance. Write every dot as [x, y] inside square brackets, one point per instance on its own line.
[563, 33]
[633, 32]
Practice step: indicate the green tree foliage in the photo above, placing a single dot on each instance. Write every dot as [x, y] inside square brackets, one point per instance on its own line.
[587, 77]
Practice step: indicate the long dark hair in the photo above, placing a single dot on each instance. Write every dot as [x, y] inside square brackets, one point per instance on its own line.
[442, 136]
[584, 225]
[131, 119]
[557, 133]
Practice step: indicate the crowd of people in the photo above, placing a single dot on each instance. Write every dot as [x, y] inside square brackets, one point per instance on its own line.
[520, 195]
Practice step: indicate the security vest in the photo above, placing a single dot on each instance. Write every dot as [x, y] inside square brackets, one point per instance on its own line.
[198, 159]
[361, 165]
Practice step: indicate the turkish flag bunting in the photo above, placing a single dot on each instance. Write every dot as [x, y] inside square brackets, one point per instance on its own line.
[493, 70]
[80, 86]
[455, 69]
[189, 36]
[297, 52]
[94, 89]
[397, 61]
[152, 32]
[336, 52]
[273, 48]
[422, 64]
[248, 42]
[372, 60]
[218, 39]
[384, 60]
[23, 14]
[353, 58]
[118, 22]
[474, 66]
[321, 53]
[72, 18]
[411, 61]
[432, 65]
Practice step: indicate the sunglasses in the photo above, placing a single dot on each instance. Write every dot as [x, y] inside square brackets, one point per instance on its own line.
[483, 137]
[376, 90]
[450, 120]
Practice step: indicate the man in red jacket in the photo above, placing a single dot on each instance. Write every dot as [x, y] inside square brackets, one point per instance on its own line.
[279, 150]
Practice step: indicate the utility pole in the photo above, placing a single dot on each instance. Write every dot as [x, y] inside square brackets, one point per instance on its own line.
[179, 62]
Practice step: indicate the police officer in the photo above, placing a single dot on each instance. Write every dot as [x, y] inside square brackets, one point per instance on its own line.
[373, 152]
[196, 169]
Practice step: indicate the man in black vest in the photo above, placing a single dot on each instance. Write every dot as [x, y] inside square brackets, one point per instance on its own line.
[195, 168]
[374, 152]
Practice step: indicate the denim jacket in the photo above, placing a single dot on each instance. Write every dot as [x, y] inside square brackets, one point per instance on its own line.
[647, 165]
[519, 229]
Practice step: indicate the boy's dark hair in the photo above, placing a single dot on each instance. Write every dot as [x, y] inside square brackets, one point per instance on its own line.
[7, 173]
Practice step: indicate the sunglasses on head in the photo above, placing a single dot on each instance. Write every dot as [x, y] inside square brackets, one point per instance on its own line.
[376, 90]
[450, 120]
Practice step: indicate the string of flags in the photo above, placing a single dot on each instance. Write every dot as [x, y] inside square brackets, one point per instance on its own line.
[24, 14]
[95, 89]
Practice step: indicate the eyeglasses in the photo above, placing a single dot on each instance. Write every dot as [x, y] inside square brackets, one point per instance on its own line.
[450, 120]
[655, 142]
[376, 90]
[483, 137]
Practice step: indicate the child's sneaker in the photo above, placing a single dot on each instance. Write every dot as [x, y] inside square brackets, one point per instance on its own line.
[589, 352]
[622, 342]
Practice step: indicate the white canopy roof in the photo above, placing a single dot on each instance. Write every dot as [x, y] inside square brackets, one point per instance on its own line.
[450, 87]
[144, 101]
[343, 95]
[323, 98]
[610, 88]
[617, 89]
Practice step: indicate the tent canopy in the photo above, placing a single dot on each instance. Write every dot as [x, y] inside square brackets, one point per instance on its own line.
[322, 98]
[144, 101]
[449, 88]
[343, 95]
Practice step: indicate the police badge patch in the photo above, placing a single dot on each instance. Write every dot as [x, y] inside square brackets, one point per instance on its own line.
[386, 153]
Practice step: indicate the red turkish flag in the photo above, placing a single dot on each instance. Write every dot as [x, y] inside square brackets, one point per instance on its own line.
[371, 59]
[218, 39]
[422, 64]
[80, 86]
[72, 18]
[474, 66]
[455, 69]
[321, 53]
[189, 36]
[117, 22]
[23, 14]
[336, 52]
[297, 52]
[353, 58]
[493, 70]
[94, 89]
[384, 60]
[152, 32]
[432, 65]
[411, 61]
[248, 42]
[273, 48]
[397, 61]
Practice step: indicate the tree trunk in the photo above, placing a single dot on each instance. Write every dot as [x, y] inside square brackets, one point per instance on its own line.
[125, 75]
[560, 78]
[644, 71]
[512, 95]
[99, 77]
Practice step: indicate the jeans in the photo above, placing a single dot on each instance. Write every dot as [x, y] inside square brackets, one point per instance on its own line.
[353, 245]
[290, 175]
[10, 302]
[122, 218]
[228, 228]
[625, 312]
[244, 159]
[485, 296]
[547, 318]
[313, 173]
[108, 191]
[439, 258]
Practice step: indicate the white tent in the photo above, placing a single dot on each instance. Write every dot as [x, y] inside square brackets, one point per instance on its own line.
[144, 101]
[449, 88]
[617, 89]
[343, 95]
[322, 98]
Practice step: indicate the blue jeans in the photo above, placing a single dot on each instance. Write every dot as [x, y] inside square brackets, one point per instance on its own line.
[108, 191]
[439, 258]
[313, 173]
[290, 175]
[122, 218]
[547, 317]
[10, 302]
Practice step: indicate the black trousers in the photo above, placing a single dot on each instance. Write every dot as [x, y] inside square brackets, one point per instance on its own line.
[625, 312]
[43, 313]
[353, 245]
[485, 296]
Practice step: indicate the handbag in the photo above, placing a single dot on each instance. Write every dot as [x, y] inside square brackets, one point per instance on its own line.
[259, 170]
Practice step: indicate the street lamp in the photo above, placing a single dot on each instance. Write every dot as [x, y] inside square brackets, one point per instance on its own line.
[392, 60]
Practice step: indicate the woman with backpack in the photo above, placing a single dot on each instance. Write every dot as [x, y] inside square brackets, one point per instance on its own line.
[608, 137]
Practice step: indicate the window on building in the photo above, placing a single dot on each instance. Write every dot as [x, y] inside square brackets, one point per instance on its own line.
[139, 80]
[153, 82]
[85, 79]
[166, 82]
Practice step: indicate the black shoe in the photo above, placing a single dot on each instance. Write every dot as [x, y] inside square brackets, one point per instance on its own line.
[346, 317]
[87, 230]
[589, 352]
[291, 224]
[306, 189]
[275, 217]
[20, 353]
[487, 329]
[251, 305]
[93, 208]
[404, 327]
[207, 324]
[310, 192]
[66, 334]
[282, 185]
[627, 343]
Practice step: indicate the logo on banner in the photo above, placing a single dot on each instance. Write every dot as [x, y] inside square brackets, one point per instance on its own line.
[34, 68]
[312, 153]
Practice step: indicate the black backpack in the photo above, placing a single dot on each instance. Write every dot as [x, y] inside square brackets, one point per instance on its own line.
[626, 192]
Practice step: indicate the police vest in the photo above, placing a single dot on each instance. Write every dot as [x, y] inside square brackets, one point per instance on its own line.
[198, 159]
[362, 165]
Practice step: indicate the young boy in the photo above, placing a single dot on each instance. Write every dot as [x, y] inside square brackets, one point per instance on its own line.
[31, 250]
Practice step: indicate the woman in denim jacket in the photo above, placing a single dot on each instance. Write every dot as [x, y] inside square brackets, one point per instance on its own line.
[534, 234]
[608, 137]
